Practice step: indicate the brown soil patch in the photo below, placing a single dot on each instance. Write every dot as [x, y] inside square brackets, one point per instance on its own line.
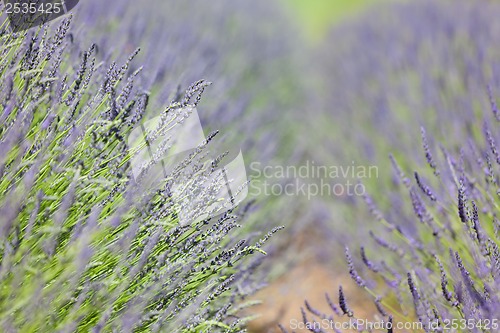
[309, 281]
[319, 268]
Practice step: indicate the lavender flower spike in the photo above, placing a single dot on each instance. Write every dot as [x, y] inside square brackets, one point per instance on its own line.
[424, 187]
[343, 304]
[427, 150]
[352, 271]
[493, 104]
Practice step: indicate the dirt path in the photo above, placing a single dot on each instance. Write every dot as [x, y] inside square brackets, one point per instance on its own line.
[283, 299]
[309, 279]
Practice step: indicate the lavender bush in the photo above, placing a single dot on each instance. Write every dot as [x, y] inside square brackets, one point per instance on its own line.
[386, 81]
[83, 247]
[247, 49]
[444, 273]
[432, 257]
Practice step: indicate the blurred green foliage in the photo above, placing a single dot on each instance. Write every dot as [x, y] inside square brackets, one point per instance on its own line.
[317, 16]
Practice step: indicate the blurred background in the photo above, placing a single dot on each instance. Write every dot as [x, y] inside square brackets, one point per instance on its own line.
[338, 84]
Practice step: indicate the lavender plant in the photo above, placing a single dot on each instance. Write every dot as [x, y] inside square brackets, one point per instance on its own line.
[442, 273]
[432, 256]
[384, 80]
[83, 247]
[248, 50]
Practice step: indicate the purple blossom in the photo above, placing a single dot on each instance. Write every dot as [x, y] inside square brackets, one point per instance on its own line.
[352, 271]
[343, 303]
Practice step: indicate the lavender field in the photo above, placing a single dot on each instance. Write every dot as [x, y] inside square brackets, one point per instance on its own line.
[249, 166]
